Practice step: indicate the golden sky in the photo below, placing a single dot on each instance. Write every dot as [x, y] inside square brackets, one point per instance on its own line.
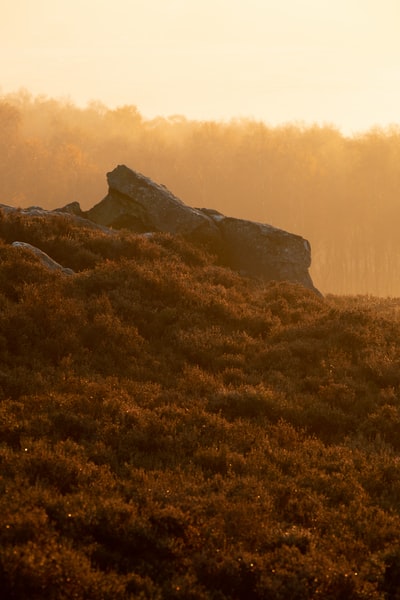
[323, 61]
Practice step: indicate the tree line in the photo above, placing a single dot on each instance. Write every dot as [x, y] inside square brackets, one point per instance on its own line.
[339, 192]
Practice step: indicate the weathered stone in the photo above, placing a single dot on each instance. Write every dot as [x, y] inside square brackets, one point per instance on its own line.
[44, 258]
[255, 249]
[264, 251]
[137, 203]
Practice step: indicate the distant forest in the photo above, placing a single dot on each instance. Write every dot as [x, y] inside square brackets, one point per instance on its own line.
[341, 193]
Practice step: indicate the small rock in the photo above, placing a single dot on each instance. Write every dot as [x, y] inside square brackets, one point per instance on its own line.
[44, 258]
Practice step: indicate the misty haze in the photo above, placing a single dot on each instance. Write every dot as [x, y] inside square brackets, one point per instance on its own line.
[199, 300]
[341, 193]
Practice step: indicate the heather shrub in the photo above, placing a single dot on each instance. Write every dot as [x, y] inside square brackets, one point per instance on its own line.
[170, 429]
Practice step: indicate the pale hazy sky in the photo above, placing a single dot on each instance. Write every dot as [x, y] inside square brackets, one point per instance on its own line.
[324, 61]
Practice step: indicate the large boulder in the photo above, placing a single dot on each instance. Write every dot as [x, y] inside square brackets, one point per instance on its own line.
[137, 203]
[263, 250]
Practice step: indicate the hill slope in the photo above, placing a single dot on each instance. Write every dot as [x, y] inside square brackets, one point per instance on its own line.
[170, 429]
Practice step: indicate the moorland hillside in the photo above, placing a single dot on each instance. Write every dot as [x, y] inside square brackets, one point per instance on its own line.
[171, 429]
[339, 192]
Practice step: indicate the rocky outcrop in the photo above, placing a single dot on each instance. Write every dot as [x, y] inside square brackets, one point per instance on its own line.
[44, 258]
[137, 203]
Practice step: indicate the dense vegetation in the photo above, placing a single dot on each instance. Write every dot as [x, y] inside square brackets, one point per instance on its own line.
[341, 193]
[169, 429]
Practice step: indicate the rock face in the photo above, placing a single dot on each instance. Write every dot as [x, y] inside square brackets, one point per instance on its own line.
[264, 251]
[137, 203]
[44, 258]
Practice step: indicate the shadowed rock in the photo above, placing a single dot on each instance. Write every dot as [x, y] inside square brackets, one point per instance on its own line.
[73, 208]
[137, 203]
[264, 251]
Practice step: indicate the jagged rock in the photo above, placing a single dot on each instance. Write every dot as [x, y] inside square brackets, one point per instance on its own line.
[44, 258]
[137, 203]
